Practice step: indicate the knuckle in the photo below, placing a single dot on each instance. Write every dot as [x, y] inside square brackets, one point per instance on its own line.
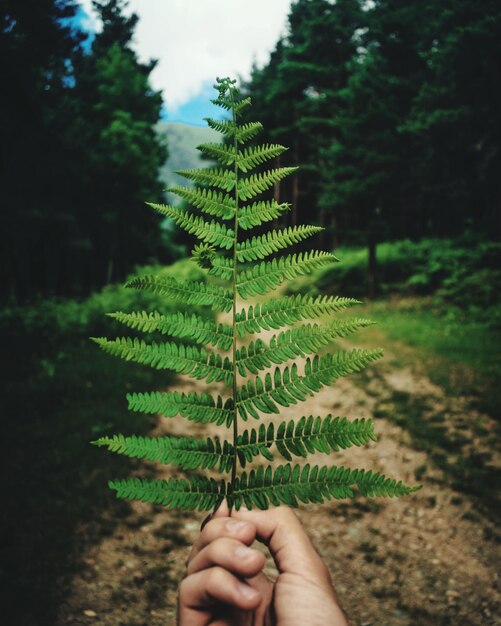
[211, 530]
[215, 578]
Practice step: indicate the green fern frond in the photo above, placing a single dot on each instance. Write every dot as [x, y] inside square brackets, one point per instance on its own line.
[268, 275]
[210, 232]
[281, 312]
[247, 131]
[209, 201]
[241, 132]
[310, 435]
[240, 105]
[246, 159]
[220, 178]
[258, 183]
[225, 127]
[307, 435]
[290, 344]
[189, 291]
[199, 493]
[263, 245]
[222, 267]
[190, 360]
[203, 254]
[227, 192]
[223, 154]
[258, 213]
[195, 407]
[287, 387]
[287, 485]
[250, 158]
[181, 325]
[183, 452]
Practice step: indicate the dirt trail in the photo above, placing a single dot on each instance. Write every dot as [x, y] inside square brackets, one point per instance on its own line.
[429, 559]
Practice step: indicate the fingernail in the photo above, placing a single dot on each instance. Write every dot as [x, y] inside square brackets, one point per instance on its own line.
[246, 591]
[243, 552]
[234, 526]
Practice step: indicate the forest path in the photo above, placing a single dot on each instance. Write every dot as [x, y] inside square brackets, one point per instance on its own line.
[431, 558]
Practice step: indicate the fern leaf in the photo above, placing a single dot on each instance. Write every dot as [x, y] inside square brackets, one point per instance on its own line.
[263, 245]
[310, 435]
[241, 132]
[225, 127]
[184, 452]
[277, 313]
[179, 324]
[224, 154]
[258, 183]
[290, 344]
[288, 485]
[210, 232]
[209, 201]
[227, 192]
[246, 159]
[242, 104]
[257, 213]
[250, 158]
[195, 407]
[189, 291]
[222, 267]
[247, 131]
[214, 177]
[266, 276]
[190, 360]
[287, 387]
[252, 443]
[199, 493]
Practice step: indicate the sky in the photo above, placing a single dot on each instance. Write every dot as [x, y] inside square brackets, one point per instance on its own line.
[197, 40]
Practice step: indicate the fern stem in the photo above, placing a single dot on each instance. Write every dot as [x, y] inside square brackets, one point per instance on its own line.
[234, 311]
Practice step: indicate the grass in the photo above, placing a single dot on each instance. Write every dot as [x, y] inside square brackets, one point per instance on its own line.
[461, 357]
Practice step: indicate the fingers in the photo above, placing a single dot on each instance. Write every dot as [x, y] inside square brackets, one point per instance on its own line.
[217, 527]
[280, 529]
[204, 589]
[231, 554]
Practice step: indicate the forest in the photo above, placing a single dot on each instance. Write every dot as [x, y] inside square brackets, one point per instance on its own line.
[392, 111]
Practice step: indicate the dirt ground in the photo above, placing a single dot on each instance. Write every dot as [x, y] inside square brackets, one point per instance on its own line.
[432, 558]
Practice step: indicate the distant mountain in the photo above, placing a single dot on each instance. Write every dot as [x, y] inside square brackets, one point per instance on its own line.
[182, 141]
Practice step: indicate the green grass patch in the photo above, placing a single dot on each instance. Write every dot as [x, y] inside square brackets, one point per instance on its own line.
[461, 357]
[463, 276]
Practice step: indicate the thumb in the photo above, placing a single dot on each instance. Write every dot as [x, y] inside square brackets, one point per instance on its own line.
[280, 529]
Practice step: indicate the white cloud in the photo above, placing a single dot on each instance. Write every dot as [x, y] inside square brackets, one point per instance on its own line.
[197, 40]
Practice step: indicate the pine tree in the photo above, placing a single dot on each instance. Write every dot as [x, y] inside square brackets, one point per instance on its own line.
[257, 374]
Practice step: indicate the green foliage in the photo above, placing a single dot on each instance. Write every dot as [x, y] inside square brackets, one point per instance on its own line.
[238, 264]
[81, 126]
[462, 274]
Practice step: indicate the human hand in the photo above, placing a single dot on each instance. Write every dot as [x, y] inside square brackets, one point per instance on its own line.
[225, 584]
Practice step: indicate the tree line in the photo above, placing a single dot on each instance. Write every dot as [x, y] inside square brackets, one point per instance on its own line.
[393, 110]
[79, 152]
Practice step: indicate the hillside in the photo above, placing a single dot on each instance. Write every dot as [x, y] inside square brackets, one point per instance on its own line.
[182, 141]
